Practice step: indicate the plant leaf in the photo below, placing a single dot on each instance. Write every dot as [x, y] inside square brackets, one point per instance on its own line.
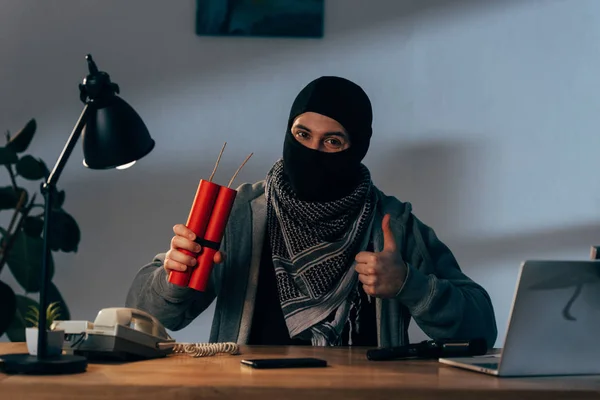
[44, 167]
[8, 156]
[20, 142]
[64, 232]
[33, 226]
[25, 261]
[31, 168]
[16, 330]
[33, 313]
[32, 316]
[54, 297]
[59, 199]
[8, 306]
[9, 197]
[52, 314]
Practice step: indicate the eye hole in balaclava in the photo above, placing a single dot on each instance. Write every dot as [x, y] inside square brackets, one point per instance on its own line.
[319, 176]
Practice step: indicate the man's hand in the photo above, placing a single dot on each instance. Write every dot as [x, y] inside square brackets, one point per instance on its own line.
[175, 259]
[382, 273]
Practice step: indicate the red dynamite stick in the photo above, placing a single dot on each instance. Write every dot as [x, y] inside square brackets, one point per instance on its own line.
[197, 221]
[213, 235]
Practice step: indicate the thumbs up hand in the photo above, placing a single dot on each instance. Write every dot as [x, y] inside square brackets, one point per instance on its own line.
[382, 273]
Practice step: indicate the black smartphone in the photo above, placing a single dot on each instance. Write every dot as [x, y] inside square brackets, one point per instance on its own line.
[265, 363]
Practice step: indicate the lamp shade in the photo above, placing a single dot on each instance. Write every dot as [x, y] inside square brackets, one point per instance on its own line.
[114, 135]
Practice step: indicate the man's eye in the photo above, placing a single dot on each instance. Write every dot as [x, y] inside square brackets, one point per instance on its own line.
[301, 134]
[334, 142]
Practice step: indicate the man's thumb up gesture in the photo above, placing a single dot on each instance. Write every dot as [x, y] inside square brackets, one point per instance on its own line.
[382, 273]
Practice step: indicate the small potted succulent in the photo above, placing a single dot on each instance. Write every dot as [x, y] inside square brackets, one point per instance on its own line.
[55, 337]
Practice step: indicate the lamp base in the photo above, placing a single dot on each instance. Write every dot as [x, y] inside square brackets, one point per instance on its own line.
[32, 365]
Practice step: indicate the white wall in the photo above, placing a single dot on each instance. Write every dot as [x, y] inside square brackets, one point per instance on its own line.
[486, 118]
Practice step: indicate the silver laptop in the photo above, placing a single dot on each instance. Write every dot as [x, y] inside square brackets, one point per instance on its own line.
[554, 324]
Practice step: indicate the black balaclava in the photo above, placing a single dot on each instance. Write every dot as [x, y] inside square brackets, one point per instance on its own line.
[319, 176]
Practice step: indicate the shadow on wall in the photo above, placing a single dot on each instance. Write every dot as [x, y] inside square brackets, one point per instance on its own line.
[528, 245]
[359, 14]
[342, 17]
[174, 54]
[439, 178]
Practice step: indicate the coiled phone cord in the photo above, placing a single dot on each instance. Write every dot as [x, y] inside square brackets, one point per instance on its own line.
[206, 349]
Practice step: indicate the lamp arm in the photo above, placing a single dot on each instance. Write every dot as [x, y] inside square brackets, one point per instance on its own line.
[69, 146]
[48, 190]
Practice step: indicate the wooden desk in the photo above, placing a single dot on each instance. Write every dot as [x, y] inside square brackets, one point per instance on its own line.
[349, 376]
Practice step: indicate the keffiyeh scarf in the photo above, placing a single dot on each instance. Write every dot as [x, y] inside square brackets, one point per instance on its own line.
[313, 248]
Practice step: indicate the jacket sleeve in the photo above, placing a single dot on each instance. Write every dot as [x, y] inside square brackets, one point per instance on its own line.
[444, 302]
[174, 306]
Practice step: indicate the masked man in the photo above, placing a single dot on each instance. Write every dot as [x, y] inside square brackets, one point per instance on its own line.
[316, 254]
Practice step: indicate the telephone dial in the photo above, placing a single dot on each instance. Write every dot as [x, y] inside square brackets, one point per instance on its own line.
[128, 334]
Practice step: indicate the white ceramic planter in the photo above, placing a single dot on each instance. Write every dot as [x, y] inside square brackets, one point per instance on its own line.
[55, 341]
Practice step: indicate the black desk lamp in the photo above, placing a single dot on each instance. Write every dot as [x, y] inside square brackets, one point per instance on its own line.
[114, 136]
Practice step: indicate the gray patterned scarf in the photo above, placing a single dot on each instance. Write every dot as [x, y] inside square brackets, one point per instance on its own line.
[313, 248]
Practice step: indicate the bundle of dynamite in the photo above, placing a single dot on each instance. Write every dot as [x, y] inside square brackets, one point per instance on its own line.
[207, 219]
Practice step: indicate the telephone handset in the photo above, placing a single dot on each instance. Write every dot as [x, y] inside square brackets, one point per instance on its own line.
[129, 334]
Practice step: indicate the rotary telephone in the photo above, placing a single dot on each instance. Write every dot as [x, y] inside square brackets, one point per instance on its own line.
[128, 334]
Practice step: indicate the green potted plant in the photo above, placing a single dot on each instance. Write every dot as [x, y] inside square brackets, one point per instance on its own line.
[55, 337]
[21, 238]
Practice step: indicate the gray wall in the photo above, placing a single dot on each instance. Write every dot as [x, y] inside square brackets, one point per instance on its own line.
[486, 119]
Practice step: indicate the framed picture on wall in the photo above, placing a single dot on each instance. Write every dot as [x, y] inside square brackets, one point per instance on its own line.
[266, 18]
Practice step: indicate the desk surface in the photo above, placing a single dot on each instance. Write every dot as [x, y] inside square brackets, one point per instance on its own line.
[349, 376]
